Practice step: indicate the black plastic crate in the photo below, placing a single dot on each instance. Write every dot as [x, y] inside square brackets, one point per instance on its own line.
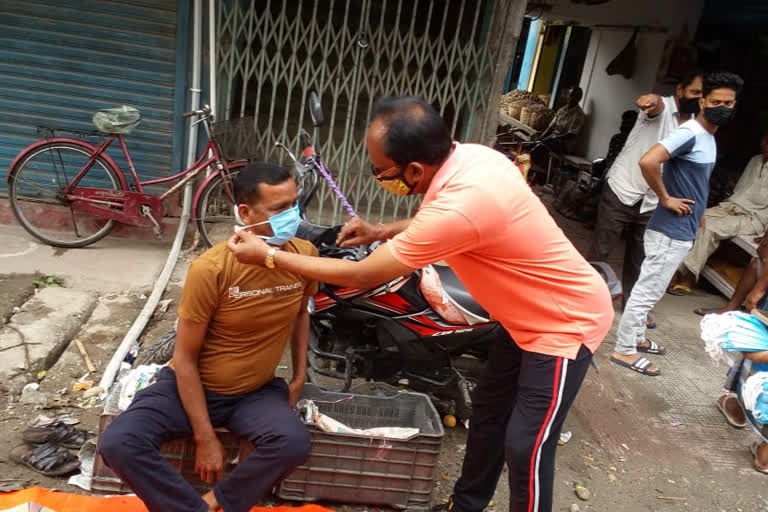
[360, 469]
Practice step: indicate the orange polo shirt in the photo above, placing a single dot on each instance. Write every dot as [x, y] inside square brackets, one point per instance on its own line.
[483, 220]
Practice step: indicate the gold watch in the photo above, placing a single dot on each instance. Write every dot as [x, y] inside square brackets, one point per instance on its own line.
[269, 261]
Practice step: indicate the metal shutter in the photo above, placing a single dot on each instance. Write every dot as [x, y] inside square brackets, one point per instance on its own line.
[62, 60]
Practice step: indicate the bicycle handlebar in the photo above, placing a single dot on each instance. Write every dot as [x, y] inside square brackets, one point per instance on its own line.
[205, 111]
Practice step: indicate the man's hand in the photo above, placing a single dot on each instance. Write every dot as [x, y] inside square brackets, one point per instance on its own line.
[294, 389]
[358, 232]
[678, 205]
[753, 299]
[248, 248]
[650, 104]
[209, 460]
[758, 357]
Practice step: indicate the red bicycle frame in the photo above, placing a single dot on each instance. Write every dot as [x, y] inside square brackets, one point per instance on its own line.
[202, 162]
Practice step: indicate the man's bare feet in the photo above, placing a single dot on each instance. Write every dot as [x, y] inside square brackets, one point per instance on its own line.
[719, 311]
[731, 408]
[210, 499]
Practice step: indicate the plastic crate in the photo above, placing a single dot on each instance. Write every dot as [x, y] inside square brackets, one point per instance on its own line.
[358, 469]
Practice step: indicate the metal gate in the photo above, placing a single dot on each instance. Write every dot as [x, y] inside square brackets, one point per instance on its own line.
[272, 53]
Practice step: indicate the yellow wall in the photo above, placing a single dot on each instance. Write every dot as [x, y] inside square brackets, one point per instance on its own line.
[547, 66]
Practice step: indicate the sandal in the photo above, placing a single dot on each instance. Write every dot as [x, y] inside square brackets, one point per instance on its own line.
[730, 419]
[705, 311]
[650, 323]
[753, 450]
[652, 348]
[46, 459]
[56, 433]
[640, 365]
[679, 290]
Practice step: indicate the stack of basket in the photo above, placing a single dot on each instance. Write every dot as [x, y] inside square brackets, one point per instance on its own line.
[527, 108]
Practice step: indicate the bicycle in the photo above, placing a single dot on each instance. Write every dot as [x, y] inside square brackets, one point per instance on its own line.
[80, 211]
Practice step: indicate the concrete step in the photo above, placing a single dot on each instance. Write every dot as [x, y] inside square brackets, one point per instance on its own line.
[35, 336]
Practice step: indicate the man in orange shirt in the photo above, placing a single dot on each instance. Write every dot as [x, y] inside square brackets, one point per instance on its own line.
[234, 323]
[480, 217]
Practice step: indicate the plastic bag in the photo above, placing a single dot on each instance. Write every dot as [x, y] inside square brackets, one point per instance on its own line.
[754, 393]
[312, 415]
[117, 120]
[733, 332]
[136, 380]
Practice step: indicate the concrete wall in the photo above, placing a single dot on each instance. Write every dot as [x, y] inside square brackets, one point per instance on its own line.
[606, 97]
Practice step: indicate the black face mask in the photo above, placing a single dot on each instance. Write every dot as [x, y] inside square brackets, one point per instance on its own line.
[689, 106]
[718, 116]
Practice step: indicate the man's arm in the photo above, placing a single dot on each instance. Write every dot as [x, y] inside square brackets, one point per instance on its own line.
[299, 348]
[209, 454]
[358, 232]
[650, 165]
[651, 104]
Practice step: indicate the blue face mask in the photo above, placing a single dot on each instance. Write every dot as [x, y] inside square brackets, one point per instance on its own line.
[284, 225]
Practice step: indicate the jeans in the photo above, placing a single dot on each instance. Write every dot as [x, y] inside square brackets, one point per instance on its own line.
[663, 256]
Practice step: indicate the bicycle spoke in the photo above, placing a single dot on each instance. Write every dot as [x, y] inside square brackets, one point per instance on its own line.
[35, 185]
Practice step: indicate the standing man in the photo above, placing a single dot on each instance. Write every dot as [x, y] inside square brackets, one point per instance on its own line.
[627, 202]
[688, 155]
[480, 217]
[744, 213]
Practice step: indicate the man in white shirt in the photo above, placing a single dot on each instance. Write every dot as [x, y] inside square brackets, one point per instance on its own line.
[627, 202]
[744, 213]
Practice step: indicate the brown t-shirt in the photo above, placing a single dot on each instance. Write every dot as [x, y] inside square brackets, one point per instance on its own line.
[250, 312]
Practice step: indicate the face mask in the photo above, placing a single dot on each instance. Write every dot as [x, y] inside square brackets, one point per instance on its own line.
[397, 186]
[284, 225]
[718, 116]
[689, 106]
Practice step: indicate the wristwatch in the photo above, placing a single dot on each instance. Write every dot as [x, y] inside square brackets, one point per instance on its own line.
[269, 261]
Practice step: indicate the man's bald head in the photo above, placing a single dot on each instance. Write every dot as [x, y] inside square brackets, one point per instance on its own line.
[409, 129]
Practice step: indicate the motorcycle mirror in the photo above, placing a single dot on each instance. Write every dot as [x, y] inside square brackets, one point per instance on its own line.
[316, 109]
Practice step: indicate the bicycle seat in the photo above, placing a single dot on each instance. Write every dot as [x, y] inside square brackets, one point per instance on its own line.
[122, 120]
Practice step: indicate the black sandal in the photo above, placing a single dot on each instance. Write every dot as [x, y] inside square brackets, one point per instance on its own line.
[640, 365]
[58, 433]
[652, 348]
[46, 459]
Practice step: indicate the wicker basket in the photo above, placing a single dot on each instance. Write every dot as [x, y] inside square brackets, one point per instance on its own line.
[525, 115]
[540, 120]
[514, 110]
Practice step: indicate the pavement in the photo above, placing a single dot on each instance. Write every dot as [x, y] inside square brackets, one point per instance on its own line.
[112, 265]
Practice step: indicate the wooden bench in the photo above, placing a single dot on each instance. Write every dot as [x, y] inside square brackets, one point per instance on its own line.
[746, 244]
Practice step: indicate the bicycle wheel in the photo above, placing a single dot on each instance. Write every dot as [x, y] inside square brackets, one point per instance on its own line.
[215, 213]
[35, 188]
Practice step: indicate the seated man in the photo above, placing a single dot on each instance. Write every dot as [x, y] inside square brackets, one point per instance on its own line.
[234, 323]
[744, 213]
[566, 125]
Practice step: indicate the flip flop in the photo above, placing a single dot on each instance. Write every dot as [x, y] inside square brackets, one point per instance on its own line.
[652, 348]
[732, 422]
[679, 290]
[753, 450]
[47, 459]
[640, 365]
[56, 433]
[705, 311]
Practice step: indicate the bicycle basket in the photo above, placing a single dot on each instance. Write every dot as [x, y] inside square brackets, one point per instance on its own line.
[237, 139]
[117, 120]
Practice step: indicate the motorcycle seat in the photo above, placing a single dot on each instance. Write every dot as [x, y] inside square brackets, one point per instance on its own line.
[448, 297]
